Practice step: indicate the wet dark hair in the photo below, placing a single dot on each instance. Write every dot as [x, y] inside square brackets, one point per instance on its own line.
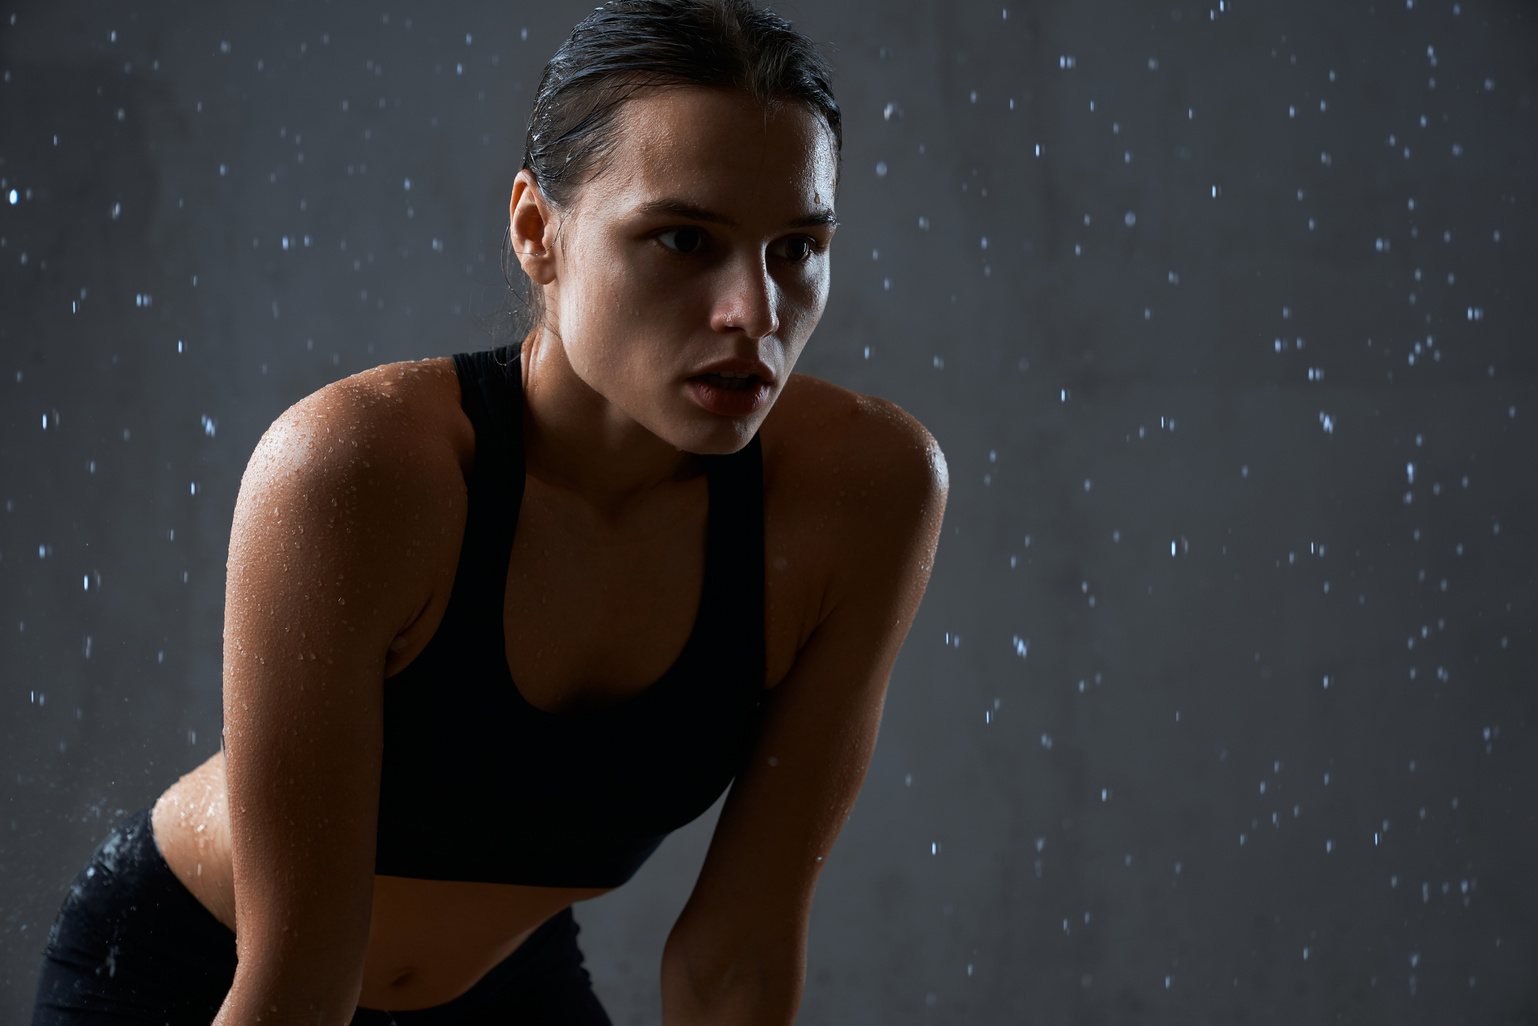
[628, 45]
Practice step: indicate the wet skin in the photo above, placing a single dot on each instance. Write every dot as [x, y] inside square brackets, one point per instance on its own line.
[347, 535]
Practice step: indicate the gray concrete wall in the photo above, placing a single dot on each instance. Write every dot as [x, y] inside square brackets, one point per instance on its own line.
[1216, 710]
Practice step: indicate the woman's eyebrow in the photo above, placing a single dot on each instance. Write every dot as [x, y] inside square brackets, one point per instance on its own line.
[688, 211]
[816, 219]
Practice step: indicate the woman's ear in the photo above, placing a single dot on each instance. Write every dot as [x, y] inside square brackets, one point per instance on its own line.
[531, 224]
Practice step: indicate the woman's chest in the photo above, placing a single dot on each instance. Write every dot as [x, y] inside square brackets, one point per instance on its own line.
[595, 613]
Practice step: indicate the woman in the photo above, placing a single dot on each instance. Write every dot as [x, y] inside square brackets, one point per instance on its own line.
[494, 625]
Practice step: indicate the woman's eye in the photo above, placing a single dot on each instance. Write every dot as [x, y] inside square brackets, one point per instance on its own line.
[690, 241]
[686, 240]
[801, 248]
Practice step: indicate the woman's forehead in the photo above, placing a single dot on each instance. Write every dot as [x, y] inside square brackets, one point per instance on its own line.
[714, 148]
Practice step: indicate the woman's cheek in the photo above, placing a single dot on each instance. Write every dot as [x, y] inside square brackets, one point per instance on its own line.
[805, 308]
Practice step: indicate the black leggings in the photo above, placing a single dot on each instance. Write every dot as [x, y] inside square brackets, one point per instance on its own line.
[133, 947]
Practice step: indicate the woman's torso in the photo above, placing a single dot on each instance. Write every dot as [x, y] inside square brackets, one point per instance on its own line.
[588, 598]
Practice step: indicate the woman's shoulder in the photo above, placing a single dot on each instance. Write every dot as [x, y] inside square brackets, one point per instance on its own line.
[361, 480]
[382, 453]
[854, 495]
[401, 415]
[407, 396]
[829, 432]
[831, 448]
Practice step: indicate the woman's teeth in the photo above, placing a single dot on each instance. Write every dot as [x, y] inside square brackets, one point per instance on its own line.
[732, 382]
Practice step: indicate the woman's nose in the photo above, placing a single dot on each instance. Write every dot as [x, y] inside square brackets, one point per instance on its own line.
[749, 299]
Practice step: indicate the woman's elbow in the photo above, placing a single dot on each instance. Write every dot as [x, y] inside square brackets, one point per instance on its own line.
[730, 986]
[291, 994]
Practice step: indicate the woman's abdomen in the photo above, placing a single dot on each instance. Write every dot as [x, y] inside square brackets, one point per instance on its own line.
[429, 940]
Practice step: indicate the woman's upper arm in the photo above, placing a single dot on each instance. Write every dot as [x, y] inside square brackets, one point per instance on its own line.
[337, 542]
[753, 898]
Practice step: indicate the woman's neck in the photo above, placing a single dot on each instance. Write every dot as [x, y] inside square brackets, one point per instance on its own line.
[576, 440]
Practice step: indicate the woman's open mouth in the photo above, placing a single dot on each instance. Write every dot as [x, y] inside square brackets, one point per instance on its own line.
[731, 382]
[729, 395]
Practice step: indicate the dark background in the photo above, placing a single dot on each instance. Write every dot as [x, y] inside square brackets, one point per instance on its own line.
[1219, 706]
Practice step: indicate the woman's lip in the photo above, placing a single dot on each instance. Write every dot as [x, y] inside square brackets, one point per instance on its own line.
[753, 367]
[729, 402]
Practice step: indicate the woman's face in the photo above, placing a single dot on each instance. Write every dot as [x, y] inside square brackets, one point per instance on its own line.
[703, 247]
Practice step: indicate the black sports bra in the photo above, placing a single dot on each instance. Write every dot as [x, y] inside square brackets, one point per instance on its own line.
[480, 785]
